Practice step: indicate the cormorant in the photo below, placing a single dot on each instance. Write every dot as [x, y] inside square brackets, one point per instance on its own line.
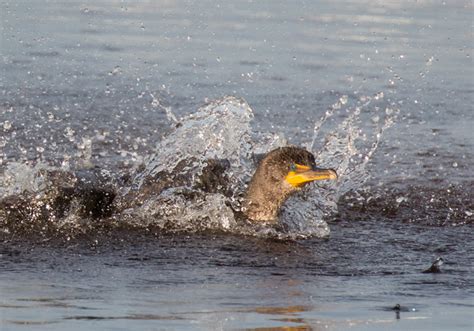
[280, 173]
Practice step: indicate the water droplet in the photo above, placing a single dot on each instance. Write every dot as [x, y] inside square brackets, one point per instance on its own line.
[115, 71]
[69, 133]
[343, 100]
[379, 95]
[401, 199]
[430, 61]
[7, 125]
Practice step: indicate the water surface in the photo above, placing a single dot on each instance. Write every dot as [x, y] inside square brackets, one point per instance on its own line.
[102, 83]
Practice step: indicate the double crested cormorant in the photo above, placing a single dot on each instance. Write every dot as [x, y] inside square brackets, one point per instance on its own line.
[280, 173]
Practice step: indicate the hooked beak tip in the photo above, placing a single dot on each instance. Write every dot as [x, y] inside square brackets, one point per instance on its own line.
[333, 174]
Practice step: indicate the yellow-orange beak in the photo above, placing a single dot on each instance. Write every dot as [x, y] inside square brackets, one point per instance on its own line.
[301, 174]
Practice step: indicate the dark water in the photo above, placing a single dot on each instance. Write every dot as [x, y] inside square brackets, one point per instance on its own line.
[353, 279]
[100, 83]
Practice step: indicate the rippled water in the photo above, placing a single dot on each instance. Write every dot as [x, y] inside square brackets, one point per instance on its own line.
[114, 93]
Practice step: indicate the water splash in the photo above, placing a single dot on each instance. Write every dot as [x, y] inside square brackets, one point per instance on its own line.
[155, 103]
[219, 131]
[346, 138]
[169, 190]
[173, 211]
[22, 177]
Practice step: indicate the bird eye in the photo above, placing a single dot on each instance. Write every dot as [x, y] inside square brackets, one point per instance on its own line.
[293, 167]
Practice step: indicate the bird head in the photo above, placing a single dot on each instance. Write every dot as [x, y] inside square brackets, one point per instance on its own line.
[280, 173]
[293, 167]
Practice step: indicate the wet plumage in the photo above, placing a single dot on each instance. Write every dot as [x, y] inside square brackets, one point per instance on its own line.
[281, 172]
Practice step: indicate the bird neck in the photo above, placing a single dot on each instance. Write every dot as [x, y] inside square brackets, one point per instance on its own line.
[264, 198]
